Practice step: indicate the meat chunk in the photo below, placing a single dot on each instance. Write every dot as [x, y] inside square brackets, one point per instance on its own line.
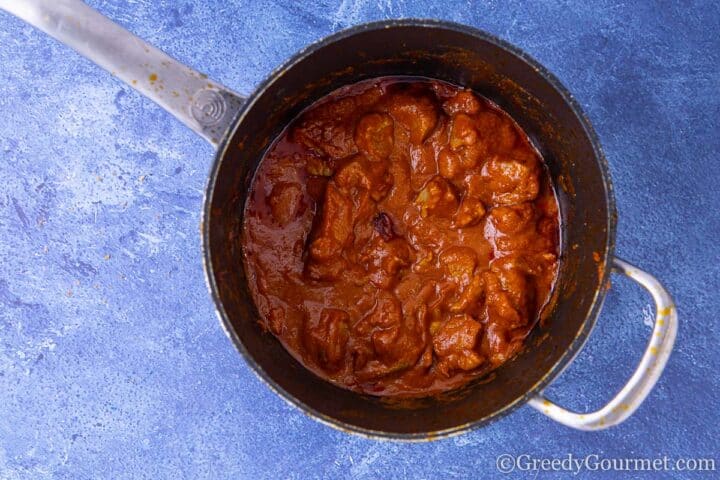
[509, 181]
[422, 164]
[459, 262]
[383, 260]
[285, 202]
[386, 314]
[326, 136]
[514, 228]
[449, 164]
[513, 219]
[498, 133]
[374, 135]
[416, 113]
[328, 127]
[437, 198]
[359, 174]
[470, 212]
[501, 345]
[454, 345]
[462, 132]
[518, 228]
[466, 142]
[347, 200]
[509, 293]
[335, 227]
[464, 101]
[326, 338]
[513, 292]
[468, 297]
[395, 341]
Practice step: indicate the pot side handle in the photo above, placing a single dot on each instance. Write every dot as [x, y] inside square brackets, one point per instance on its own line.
[647, 373]
[208, 108]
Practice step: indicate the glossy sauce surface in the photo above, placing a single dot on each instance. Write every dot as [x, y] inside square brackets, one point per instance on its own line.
[401, 237]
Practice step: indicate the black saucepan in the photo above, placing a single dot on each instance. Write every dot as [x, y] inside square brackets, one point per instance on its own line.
[242, 129]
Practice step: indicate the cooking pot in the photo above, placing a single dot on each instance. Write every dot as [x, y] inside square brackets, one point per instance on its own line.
[241, 128]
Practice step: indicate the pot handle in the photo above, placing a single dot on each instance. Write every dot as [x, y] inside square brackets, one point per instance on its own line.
[208, 108]
[647, 373]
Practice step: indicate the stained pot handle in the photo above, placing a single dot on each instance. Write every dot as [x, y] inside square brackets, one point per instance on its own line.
[206, 107]
[647, 373]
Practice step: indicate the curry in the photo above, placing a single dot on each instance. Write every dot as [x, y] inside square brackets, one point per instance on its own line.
[401, 237]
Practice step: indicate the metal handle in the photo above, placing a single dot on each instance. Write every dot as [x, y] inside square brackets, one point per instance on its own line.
[647, 373]
[207, 108]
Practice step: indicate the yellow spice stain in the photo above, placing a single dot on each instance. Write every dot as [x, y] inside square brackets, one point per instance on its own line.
[625, 406]
[653, 350]
[546, 402]
[661, 322]
[665, 311]
[134, 82]
[153, 77]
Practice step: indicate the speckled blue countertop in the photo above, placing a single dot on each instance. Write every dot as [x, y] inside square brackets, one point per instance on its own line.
[112, 361]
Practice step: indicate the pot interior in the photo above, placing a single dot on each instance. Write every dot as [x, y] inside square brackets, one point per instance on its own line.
[547, 114]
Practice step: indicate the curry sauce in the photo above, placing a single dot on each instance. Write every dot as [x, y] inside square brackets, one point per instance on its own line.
[401, 237]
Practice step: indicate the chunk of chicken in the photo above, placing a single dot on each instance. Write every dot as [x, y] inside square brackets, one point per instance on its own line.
[464, 101]
[437, 198]
[326, 136]
[509, 292]
[468, 296]
[449, 164]
[285, 202]
[374, 135]
[396, 341]
[326, 338]
[470, 212]
[514, 228]
[358, 173]
[509, 181]
[498, 133]
[466, 142]
[328, 127]
[462, 132]
[459, 263]
[513, 219]
[454, 345]
[417, 114]
[335, 226]
[383, 260]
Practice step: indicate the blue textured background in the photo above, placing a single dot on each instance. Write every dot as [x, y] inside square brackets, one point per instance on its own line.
[112, 362]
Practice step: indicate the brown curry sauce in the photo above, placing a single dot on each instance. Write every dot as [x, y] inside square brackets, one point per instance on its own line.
[401, 237]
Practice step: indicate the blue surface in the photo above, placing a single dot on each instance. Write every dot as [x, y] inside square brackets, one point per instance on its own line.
[112, 361]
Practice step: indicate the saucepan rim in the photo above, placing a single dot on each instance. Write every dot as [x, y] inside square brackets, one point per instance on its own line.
[598, 296]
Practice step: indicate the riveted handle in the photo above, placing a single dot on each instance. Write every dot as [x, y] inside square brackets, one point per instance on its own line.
[647, 373]
[206, 107]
